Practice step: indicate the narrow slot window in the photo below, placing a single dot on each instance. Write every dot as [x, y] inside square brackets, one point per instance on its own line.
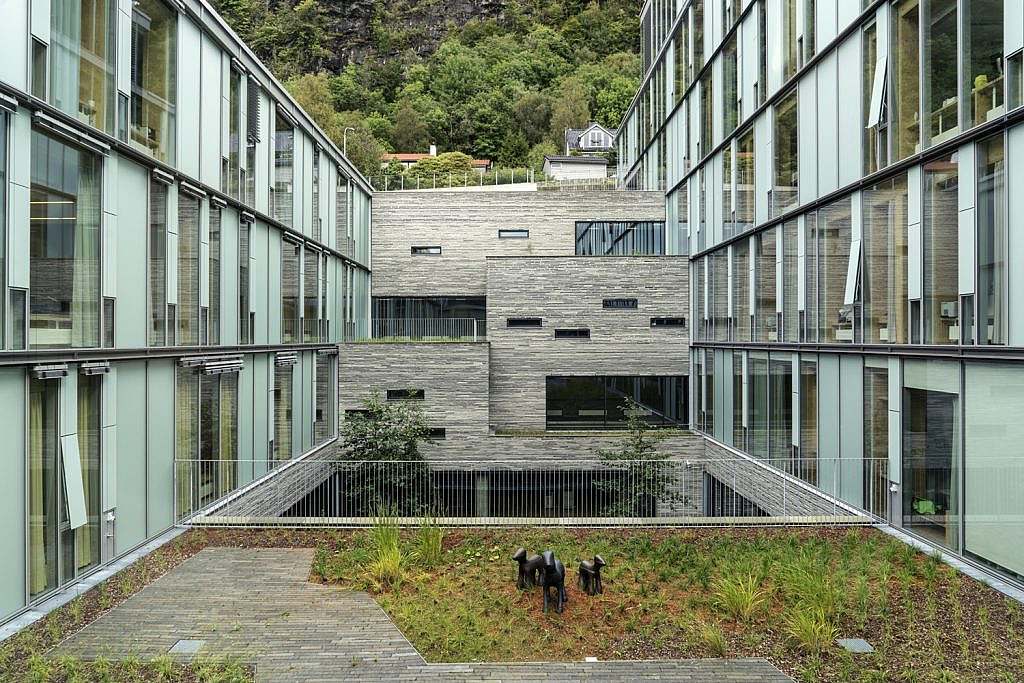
[573, 333]
[425, 251]
[406, 394]
[523, 322]
[668, 322]
[513, 234]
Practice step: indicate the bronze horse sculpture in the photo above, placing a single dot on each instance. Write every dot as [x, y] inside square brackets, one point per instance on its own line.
[552, 575]
[589, 580]
[528, 568]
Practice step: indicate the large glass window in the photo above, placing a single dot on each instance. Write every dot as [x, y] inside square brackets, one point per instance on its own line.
[837, 268]
[246, 332]
[311, 295]
[906, 57]
[706, 115]
[709, 390]
[992, 241]
[757, 404]
[785, 195]
[64, 239]
[82, 48]
[941, 56]
[3, 218]
[598, 402]
[765, 315]
[154, 68]
[188, 270]
[790, 282]
[206, 419]
[620, 238]
[45, 513]
[790, 27]
[885, 262]
[719, 289]
[873, 103]
[324, 423]
[395, 316]
[682, 58]
[284, 152]
[731, 93]
[806, 467]
[157, 263]
[739, 432]
[291, 292]
[940, 244]
[343, 214]
[87, 537]
[931, 450]
[741, 290]
[876, 436]
[781, 401]
[745, 184]
[215, 265]
[283, 412]
[993, 506]
[700, 309]
[231, 165]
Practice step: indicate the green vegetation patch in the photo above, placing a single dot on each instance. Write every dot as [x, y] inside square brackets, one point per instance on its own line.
[782, 594]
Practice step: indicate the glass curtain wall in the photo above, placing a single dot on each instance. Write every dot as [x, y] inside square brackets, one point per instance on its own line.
[323, 425]
[757, 404]
[941, 55]
[885, 262]
[810, 323]
[207, 437]
[745, 183]
[905, 50]
[730, 92]
[215, 266]
[64, 240]
[873, 102]
[3, 222]
[82, 49]
[785, 194]
[311, 292]
[739, 433]
[876, 436]
[807, 465]
[245, 331]
[709, 390]
[157, 263]
[620, 238]
[719, 284]
[283, 412]
[765, 315]
[993, 239]
[188, 269]
[153, 75]
[931, 450]
[342, 214]
[940, 241]
[780, 438]
[833, 253]
[790, 27]
[45, 511]
[790, 255]
[186, 422]
[291, 292]
[231, 165]
[984, 65]
[741, 290]
[707, 117]
[87, 538]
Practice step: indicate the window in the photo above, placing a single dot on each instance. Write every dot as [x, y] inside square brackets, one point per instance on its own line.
[311, 290]
[283, 412]
[785, 196]
[39, 58]
[64, 226]
[790, 42]
[342, 214]
[213, 324]
[709, 390]
[523, 322]
[940, 244]
[206, 418]
[765, 278]
[157, 263]
[698, 36]
[668, 322]
[153, 75]
[739, 431]
[406, 394]
[906, 56]
[741, 290]
[253, 116]
[876, 436]
[745, 183]
[808, 39]
[188, 269]
[231, 166]
[246, 332]
[718, 295]
[3, 214]
[780, 438]
[316, 194]
[291, 292]
[425, 251]
[620, 238]
[731, 91]
[761, 86]
[513, 234]
[941, 55]
[46, 513]
[284, 152]
[436, 433]
[600, 402]
[706, 115]
[992, 241]
[876, 132]
[19, 319]
[323, 423]
[573, 333]
[682, 58]
[757, 404]
[619, 303]
[436, 316]
[82, 48]
[806, 466]
[836, 260]
[108, 323]
[1015, 80]
[885, 262]
[790, 313]
[931, 450]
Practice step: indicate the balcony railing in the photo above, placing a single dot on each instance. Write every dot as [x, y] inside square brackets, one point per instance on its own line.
[573, 492]
[427, 330]
[304, 330]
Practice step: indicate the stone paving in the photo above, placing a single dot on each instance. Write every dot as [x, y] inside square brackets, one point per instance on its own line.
[257, 605]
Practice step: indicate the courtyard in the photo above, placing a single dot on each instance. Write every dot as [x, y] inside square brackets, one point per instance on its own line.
[705, 604]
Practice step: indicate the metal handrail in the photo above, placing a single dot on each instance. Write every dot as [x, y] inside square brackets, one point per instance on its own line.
[427, 329]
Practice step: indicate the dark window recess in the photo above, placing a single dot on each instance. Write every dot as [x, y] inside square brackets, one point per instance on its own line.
[601, 402]
[668, 322]
[108, 323]
[619, 303]
[523, 322]
[436, 433]
[425, 251]
[513, 234]
[573, 333]
[406, 394]
[620, 238]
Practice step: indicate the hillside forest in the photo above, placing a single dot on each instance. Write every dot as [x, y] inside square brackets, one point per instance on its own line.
[494, 79]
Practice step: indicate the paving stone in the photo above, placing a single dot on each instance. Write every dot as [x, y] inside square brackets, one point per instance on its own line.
[257, 605]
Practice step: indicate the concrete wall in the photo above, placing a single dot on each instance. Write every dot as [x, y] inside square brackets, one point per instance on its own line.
[568, 292]
[465, 225]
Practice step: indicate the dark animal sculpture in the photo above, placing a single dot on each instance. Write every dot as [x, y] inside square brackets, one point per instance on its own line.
[590, 575]
[552, 575]
[528, 568]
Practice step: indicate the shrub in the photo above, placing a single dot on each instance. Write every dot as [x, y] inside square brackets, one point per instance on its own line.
[811, 629]
[741, 597]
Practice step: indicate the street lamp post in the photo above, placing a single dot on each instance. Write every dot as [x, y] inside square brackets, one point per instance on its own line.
[344, 140]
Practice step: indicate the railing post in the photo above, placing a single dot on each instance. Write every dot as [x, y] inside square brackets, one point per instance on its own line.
[474, 329]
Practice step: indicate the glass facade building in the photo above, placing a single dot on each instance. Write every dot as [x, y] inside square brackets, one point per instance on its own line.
[176, 279]
[838, 173]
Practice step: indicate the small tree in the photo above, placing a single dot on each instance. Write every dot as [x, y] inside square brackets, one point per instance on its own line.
[391, 471]
[641, 477]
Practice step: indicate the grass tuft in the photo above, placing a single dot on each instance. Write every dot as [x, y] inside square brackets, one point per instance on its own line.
[811, 630]
[741, 597]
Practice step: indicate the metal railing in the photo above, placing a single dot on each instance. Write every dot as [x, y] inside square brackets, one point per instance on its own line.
[685, 492]
[427, 329]
[444, 181]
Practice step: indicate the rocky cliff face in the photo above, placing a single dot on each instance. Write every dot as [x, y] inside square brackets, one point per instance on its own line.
[419, 25]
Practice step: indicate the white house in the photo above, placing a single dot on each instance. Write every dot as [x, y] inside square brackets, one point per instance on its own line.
[575, 167]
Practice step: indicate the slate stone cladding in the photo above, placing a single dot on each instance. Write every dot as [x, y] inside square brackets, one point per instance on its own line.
[567, 292]
[465, 225]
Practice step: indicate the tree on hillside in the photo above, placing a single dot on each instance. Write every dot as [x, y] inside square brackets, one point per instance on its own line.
[409, 131]
[533, 112]
[513, 150]
[535, 159]
[571, 110]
